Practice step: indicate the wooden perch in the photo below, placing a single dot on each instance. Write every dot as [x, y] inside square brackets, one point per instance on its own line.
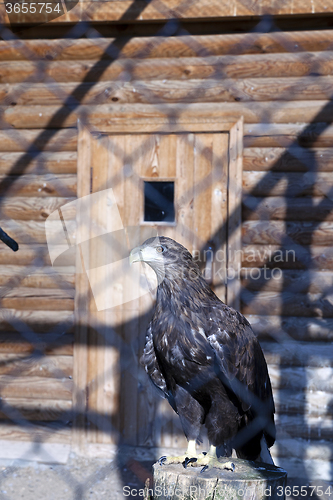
[249, 480]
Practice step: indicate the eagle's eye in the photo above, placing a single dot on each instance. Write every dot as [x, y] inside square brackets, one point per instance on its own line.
[159, 249]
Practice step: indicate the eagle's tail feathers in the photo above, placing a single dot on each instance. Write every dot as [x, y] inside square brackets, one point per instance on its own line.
[265, 455]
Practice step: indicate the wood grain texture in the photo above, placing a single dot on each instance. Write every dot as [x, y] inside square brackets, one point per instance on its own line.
[26, 256]
[296, 281]
[289, 184]
[301, 379]
[16, 364]
[293, 401]
[169, 91]
[286, 256]
[295, 426]
[283, 328]
[287, 208]
[38, 321]
[287, 304]
[81, 313]
[38, 277]
[36, 388]
[235, 213]
[297, 353]
[300, 448]
[285, 160]
[47, 185]
[31, 410]
[33, 208]
[13, 343]
[292, 233]
[182, 68]
[38, 140]
[37, 431]
[153, 47]
[44, 163]
[99, 116]
[317, 135]
[204, 9]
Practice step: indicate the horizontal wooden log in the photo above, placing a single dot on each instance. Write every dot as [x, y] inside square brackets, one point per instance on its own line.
[38, 321]
[43, 163]
[287, 184]
[287, 304]
[297, 233]
[268, 280]
[32, 208]
[36, 387]
[28, 365]
[99, 116]
[288, 328]
[26, 256]
[316, 135]
[298, 379]
[50, 344]
[299, 426]
[37, 298]
[37, 141]
[38, 277]
[302, 449]
[60, 185]
[154, 47]
[182, 68]
[125, 10]
[287, 208]
[27, 292]
[288, 257]
[297, 353]
[169, 91]
[284, 160]
[46, 410]
[28, 232]
[41, 431]
[298, 402]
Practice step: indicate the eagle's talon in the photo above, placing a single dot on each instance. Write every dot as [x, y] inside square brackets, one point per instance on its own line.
[189, 461]
[162, 460]
[205, 467]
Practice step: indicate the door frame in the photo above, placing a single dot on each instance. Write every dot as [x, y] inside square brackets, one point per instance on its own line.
[193, 118]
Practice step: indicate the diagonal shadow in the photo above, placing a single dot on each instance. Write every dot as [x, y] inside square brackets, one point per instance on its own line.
[306, 253]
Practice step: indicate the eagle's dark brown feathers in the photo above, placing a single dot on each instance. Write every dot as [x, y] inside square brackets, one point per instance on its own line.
[204, 356]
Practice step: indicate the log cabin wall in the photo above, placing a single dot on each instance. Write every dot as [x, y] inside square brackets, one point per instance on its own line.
[281, 83]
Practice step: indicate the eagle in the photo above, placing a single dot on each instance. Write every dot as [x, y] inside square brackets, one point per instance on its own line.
[205, 359]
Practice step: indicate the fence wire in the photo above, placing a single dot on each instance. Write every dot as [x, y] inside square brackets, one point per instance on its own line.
[294, 218]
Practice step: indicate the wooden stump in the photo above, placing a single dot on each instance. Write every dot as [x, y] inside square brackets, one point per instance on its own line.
[249, 481]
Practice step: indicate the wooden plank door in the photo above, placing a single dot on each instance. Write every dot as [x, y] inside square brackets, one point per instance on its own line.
[122, 406]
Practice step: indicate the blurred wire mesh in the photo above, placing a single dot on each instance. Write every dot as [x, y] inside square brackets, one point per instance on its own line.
[280, 82]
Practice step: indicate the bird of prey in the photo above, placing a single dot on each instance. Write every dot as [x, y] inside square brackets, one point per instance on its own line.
[206, 360]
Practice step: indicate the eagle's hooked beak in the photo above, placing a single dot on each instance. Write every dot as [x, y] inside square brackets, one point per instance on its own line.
[135, 255]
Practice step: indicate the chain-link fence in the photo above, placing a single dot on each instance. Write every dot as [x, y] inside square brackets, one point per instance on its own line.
[274, 75]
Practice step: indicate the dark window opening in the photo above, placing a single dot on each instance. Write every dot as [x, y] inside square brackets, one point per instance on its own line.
[159, 201]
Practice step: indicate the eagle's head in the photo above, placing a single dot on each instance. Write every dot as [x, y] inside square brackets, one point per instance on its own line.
[169, 259]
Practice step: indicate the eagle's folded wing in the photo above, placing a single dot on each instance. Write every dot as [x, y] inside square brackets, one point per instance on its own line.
[151, 365]
[239, 359]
